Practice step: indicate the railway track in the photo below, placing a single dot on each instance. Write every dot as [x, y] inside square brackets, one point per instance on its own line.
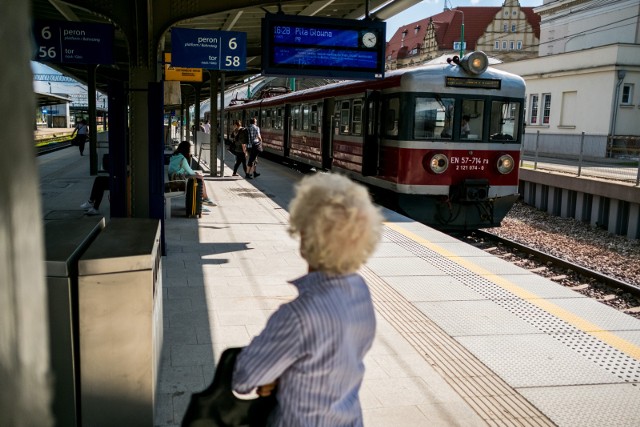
[50, 148]
[609, 290]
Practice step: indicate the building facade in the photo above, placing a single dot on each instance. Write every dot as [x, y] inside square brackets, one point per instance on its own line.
[586, 80]
[509, 33]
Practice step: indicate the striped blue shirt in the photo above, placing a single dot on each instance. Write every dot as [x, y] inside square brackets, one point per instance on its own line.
[314, 346]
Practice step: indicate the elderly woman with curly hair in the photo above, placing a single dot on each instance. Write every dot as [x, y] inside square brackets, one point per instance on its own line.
[312, 349]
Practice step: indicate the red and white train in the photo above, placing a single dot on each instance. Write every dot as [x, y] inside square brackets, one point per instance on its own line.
[444, 140]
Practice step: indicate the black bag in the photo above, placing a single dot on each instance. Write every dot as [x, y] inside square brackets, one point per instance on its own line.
[74, 141]
[193, 198]
[218, 407]
[242, 138]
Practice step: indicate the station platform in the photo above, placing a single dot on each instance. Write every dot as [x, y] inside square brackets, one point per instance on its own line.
[463, 338]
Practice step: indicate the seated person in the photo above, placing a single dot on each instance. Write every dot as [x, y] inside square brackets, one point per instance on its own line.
[179, 164]
[465, 129]
[100, 185]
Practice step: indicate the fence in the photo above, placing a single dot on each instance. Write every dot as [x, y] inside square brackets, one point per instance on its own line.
[583, 155]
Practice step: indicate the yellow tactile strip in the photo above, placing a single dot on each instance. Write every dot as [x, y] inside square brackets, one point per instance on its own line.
[493, 399]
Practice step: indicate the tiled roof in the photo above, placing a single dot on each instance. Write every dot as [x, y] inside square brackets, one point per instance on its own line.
[448, 24]
[411, 38]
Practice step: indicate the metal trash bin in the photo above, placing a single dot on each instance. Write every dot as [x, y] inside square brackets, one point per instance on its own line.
[120, 300]
[65, 241]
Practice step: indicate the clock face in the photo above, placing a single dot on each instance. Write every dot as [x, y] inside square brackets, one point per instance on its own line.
[369, 39]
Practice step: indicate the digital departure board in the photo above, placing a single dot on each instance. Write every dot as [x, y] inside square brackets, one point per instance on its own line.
[322, 47]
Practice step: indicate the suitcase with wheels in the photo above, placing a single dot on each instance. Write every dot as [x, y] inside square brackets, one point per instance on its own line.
[193, 198]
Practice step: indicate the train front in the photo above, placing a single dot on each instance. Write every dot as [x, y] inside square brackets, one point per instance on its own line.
[457, 168]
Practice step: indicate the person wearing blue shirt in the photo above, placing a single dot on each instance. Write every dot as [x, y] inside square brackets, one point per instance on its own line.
[311, 352]
[254, 147]
[179, 164]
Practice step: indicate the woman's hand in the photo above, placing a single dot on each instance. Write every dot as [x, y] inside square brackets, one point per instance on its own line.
[266, 389]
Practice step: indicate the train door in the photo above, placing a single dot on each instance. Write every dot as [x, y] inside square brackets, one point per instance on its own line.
[286, 134]
[371, 142]
[328, 107]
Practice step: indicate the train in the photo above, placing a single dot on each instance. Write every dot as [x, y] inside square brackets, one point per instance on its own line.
[442, 141]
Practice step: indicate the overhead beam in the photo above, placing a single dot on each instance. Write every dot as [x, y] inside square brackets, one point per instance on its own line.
[231, 20]
[315, 7]
[65, 10]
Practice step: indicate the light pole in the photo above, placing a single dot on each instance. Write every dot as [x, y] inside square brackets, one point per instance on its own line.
[461, 34]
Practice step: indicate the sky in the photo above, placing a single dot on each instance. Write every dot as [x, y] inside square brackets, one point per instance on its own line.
[427, 8]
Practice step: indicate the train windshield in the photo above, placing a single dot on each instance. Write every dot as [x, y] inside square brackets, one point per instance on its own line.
[438, 118]
[433, 117]
[504, 120]
[472, 119]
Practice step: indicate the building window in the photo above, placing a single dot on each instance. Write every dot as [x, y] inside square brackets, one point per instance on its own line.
[496, 45]
[513, 28]
[504, 45]
[519, 44]
[514, 13]
[511, 45]
[627, 94]
[568, 113]
[533, 118]
[404, 34]
[505, 28]
[506, 13]
[416, 29]
[546, 111]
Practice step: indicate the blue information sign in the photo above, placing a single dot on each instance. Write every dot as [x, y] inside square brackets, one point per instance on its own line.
[323, 47]
[212, 50]
[73, 42]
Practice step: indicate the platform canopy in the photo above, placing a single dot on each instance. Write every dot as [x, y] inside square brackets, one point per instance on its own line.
[131, 50]
[45, 99]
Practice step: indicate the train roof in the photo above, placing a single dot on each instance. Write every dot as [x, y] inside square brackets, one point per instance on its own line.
[414, 79]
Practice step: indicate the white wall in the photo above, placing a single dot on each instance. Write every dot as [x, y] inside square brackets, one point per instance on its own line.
[576, 25]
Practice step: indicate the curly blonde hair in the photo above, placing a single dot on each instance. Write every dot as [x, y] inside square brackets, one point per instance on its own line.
[338, 224]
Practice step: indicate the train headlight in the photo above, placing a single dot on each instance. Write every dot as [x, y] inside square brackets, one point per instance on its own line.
[475, 62]
[439, 163]
[505, 164]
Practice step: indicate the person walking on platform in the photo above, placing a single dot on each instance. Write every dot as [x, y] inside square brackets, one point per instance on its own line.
[180, 164]
[311, 351]
[239, 139]
[254, 147]
[80, 134]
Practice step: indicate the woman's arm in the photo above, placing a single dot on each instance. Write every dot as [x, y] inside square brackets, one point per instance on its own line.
[186, 167]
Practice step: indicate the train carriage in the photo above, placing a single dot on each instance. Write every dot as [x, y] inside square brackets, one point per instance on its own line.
[444, 140]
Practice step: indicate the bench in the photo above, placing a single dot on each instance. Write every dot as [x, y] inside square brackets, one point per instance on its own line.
[172, 188]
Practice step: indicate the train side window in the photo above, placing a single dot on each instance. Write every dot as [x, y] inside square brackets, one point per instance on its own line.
[305, 117]
[472, 119]
[266, 123]
[295, 116]
[505, 116]
[279, 119]
[356, 123]
[345, 110]
[390, 115]
[314, 118]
